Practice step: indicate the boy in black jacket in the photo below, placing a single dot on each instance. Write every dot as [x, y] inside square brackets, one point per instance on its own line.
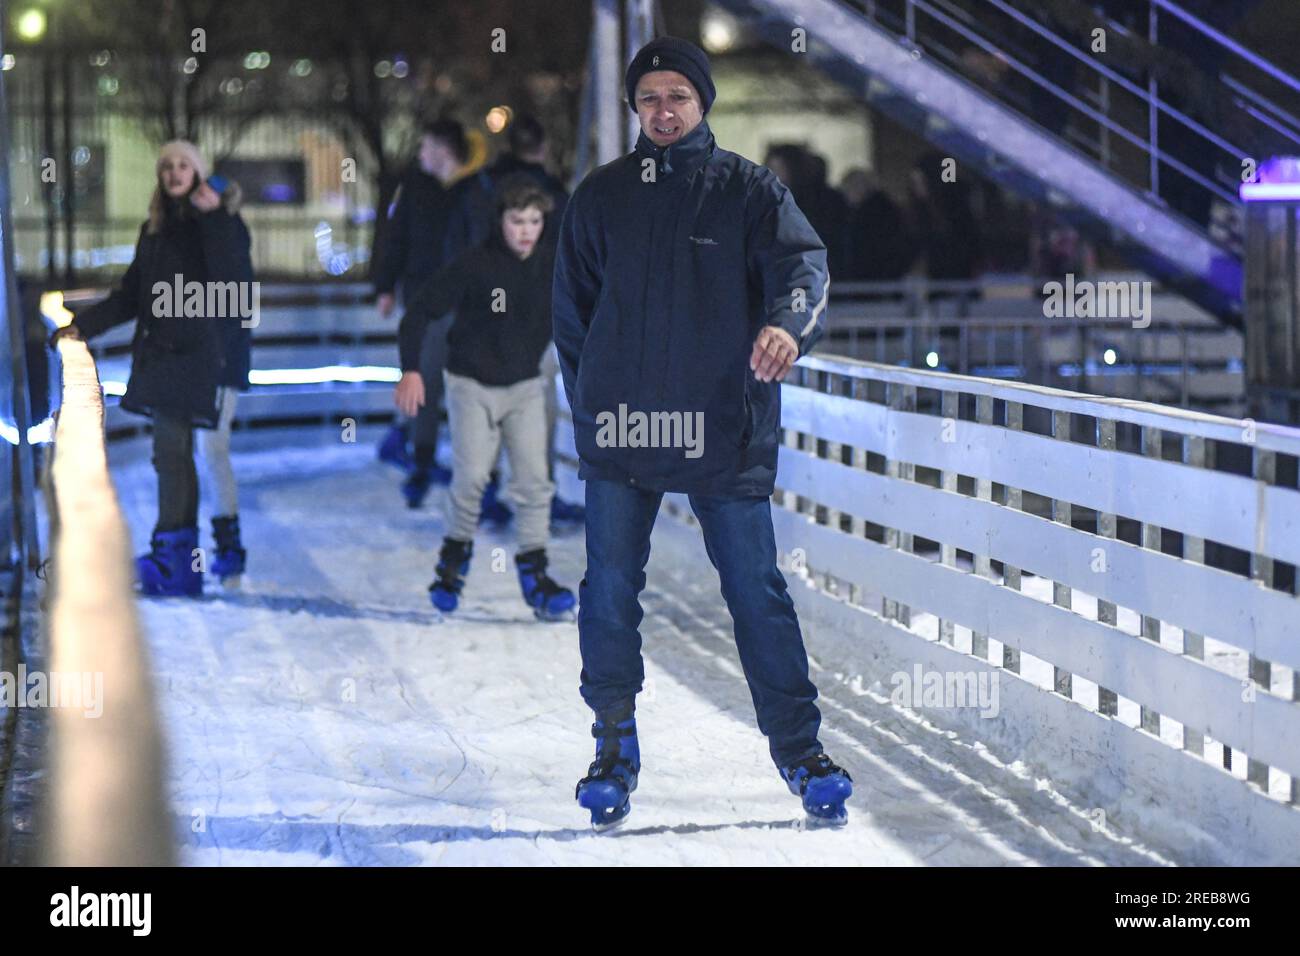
[501, 294]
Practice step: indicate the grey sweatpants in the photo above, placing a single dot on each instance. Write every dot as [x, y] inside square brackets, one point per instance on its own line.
[214, 451]
[482, 419]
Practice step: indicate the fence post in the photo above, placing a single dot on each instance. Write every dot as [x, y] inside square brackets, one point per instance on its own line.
[1151, 535]
[1261, 572]
[901, 398]
[948, 402]
[1107, 613]
[1015, 420]
[1062, 513]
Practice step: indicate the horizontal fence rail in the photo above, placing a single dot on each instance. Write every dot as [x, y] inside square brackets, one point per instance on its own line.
[105, 792]
[877, 460]
[333, 335]
[321, 355]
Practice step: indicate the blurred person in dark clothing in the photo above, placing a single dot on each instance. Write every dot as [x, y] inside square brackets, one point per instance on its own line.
[418, 222]
[942, 220]
[828, 212]
[878, 248]
[804, 174]
[473, 199]
[785, 160]
[1056, 247]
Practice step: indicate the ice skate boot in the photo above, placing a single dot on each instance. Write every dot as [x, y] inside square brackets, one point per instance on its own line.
[453, 565]
[612, 776]
[823, 786]
[549, 601]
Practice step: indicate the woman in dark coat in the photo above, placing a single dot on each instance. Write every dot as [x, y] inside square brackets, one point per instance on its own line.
[186, 345]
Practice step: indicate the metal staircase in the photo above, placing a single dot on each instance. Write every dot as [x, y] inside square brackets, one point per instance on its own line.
[1142, 144]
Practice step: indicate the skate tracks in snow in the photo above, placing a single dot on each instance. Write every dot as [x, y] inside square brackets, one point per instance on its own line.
[323, 714]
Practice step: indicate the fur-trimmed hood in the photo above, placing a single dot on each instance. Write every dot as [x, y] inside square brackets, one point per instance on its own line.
[232, 199]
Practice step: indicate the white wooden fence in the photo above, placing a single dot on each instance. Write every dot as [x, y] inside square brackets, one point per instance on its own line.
[1134, 598]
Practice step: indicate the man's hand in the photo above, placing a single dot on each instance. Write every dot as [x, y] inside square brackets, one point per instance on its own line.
[205, 198]
[774, 354]
[385, 304]
[409, 394]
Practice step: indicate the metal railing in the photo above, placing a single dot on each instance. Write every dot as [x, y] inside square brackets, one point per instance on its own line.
[995, 328]
[943, 28]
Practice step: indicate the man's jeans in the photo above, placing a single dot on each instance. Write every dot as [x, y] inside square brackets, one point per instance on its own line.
[739, 539]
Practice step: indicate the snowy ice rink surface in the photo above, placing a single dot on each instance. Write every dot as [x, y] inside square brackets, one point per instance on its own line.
[322, 714]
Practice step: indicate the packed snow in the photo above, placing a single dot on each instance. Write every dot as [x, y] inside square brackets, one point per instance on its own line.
[323, 714]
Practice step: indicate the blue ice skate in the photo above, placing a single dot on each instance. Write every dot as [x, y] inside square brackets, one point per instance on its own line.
[612, 776]
[392, 449]
[549, 601]
[231, 558]
[823, 786]
[567, 512]
[416, 487]
[168, 569]
[453, 565]
[493, 511]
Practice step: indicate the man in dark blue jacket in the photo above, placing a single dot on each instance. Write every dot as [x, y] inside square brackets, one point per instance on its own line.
[687, 283]
[418, 221]
[473, 199]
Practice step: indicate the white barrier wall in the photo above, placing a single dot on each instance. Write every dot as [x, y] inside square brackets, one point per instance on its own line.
[105, 804]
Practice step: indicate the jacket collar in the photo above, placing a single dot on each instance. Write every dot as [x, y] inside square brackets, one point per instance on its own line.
[684, 156]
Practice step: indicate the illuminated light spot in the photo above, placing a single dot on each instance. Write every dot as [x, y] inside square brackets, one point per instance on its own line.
[52, 308]
[718, 32]
[31, 24]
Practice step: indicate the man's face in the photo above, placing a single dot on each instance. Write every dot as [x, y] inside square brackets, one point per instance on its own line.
[667, 106]
[521, 229]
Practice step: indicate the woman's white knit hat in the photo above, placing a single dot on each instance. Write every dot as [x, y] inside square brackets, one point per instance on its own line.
[182, 147]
